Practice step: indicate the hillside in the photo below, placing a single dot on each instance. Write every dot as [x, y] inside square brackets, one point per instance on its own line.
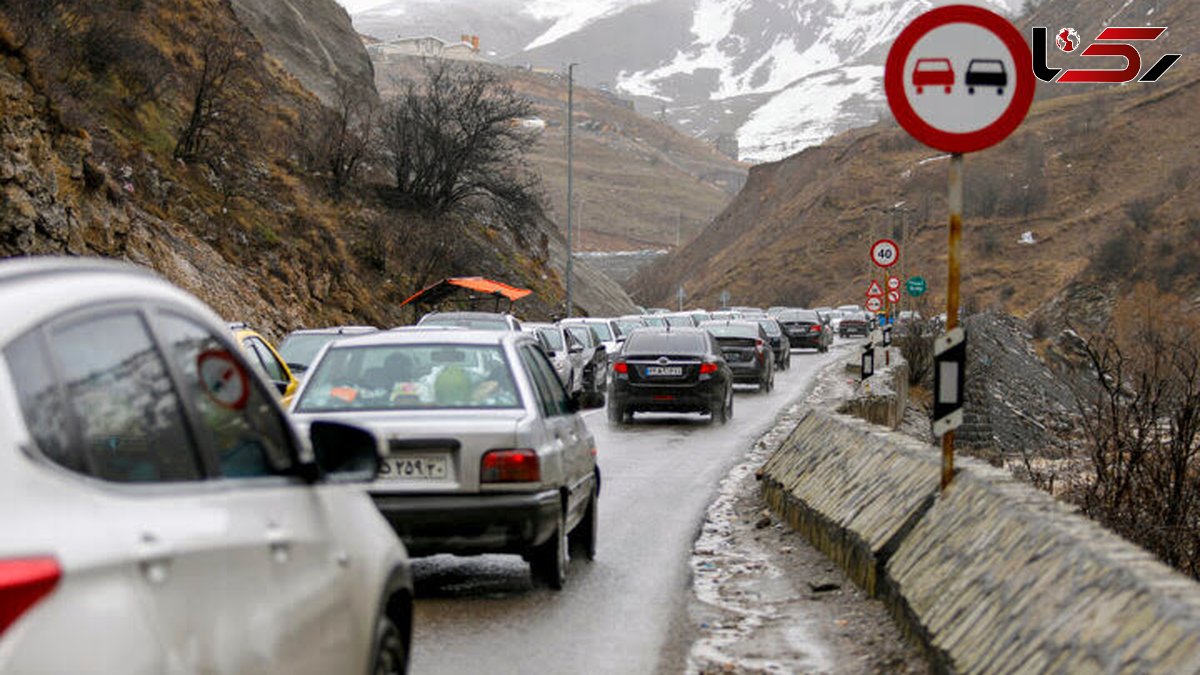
[97, 97]
[636, 179]
[1103, 178]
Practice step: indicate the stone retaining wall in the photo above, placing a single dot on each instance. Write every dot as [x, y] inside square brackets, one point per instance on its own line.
[993, 575]
[883, 397]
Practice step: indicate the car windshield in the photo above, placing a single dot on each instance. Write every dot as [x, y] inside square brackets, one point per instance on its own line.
[727, 330]
[661, 342]
[552, 337]
[405, 377]
[301, 349]
[656, 321]
[475, 323]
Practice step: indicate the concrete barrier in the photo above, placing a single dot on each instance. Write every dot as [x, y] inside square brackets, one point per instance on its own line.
[993, 576]
[882, 398]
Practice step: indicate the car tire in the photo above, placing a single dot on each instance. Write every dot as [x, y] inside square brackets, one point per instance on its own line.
[598, 399]
[616, 412]
[582, 540]
[387, 654]
[548, 562]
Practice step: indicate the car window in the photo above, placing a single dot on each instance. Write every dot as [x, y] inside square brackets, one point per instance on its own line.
[129, 415]
[302, 349]
[602, 331]
[725, 330]
[552, 396]
[42, 402]
[581, 335]
[476, 323]
[552, 338]
[410, 376]
[236, 416]
[270, 364]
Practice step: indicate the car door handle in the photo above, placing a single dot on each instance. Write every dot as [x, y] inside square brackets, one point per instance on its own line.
[279, 541]
[154, 558]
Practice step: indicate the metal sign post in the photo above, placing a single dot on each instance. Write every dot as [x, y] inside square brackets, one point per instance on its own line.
[952, 287]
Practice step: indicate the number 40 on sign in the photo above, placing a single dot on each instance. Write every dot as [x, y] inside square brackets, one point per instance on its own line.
[885, 253]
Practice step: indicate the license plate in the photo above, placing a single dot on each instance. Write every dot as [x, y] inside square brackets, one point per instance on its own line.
[413, 468]
[664, 371]
[733, 356]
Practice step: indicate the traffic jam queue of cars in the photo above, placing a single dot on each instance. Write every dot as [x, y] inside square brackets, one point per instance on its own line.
[180, 496]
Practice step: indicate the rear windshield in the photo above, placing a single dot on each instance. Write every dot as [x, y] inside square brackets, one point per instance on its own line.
[679, 321]
[655, 342]
[725, 330]
[475, 323]
[628, 326]
[302, 349]
[552, 337]
[656, 321]
[799, 315]
[581, 334]
[405, 377]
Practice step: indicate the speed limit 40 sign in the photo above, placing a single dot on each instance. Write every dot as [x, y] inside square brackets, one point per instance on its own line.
[885, 253]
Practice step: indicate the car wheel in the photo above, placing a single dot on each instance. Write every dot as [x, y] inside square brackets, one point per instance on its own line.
[616, 412]
[598, 399]
[387, 656]
[548, 562]
[582, 539]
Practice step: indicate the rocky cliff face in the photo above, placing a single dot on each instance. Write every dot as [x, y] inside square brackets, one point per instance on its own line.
[312, 39]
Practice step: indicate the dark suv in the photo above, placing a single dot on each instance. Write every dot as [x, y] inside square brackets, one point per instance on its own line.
[779, 342]
[805, 328]
[670, 370]
[855, 323]
[747, 348]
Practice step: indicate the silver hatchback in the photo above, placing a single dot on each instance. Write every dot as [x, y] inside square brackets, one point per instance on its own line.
[486, 451]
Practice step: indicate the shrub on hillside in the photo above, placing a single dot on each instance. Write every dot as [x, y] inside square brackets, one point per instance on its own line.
[1141, 427]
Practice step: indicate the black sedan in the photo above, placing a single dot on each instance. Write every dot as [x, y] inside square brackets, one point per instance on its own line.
[805, 328]
[780, 345]
[746, 347]
[670, 370]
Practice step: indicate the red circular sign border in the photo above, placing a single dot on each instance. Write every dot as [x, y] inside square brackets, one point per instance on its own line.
[894, 245]
[902, 110]
[224, 355]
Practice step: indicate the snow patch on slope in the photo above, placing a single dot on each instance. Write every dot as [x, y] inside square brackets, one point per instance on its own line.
[571, 16]
[809, 112]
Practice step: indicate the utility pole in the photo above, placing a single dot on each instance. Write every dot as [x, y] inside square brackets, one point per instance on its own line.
[677, 217]
[570, 159]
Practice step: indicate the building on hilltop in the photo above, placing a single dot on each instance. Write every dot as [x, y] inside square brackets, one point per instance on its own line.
[426, 46]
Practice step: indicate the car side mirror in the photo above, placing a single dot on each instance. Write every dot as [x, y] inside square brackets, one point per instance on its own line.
[281, 386]
[573, 405]
[344, 453]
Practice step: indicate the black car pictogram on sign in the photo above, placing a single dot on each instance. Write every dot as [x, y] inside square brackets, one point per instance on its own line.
[986, 73]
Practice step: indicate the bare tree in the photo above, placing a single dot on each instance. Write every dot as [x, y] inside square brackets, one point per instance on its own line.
[224, 62]
[337, 140]
[1141, 419]
[454, 137]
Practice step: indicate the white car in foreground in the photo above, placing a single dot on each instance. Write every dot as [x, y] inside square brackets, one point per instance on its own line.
[158, 512]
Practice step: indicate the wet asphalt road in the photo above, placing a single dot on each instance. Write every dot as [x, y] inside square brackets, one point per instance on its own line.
[624, 612]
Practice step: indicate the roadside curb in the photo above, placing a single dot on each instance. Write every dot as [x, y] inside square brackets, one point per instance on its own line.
[992, 575]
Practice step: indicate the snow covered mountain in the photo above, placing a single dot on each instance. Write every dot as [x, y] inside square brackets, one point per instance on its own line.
[779, 75]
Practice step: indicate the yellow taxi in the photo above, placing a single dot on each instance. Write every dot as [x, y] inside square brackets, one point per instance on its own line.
[263, 357]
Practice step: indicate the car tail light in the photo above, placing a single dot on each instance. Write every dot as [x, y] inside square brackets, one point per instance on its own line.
[816, 329]
[621, 367]
[510, 466]
[708, 368]
[23, 583]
